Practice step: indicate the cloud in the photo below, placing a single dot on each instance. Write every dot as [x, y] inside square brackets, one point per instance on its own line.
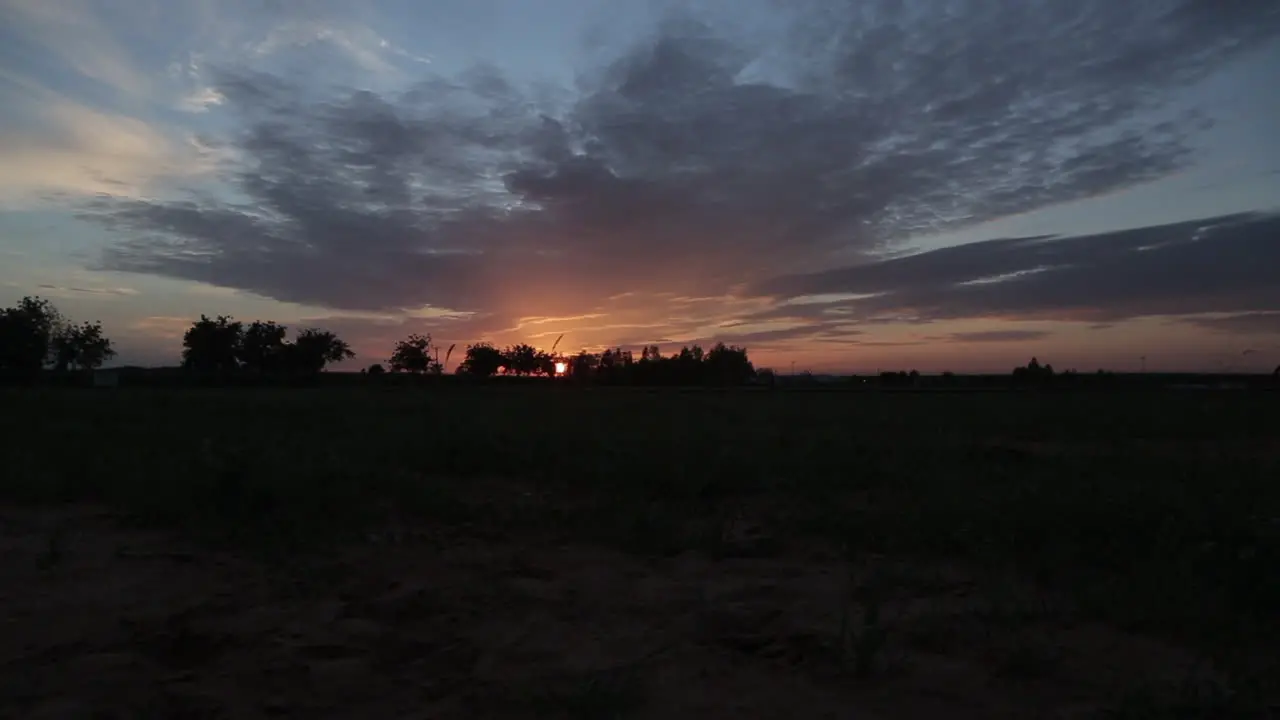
[164, 327]
[1225, 264]
[1250, 323]
[998, 336]
[69, 147]
[198, 96]
[675, 170]
[65, 291]
[357, 43]
[72, 32]
[200, 100]
[144, 53]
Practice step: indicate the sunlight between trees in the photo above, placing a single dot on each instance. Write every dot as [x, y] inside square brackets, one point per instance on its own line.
[35, 336]
[223, 345]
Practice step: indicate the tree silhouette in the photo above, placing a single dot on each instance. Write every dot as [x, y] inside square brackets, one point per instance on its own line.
[728, 365]
[27, 334]
[522, 359]
[262, 347]
[34, 334]
[482, 360]
[313, 349]
[413, 355]
[722, 365]
[81, 347]
[1033, 372]
[652, 368]
[224, 345]
[614, 366]
[376, 369]
[583, 366]
[688, 368]
[901, 378]
[212, 344]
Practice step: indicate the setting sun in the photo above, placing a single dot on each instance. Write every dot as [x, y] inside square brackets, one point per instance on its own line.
[562, 367]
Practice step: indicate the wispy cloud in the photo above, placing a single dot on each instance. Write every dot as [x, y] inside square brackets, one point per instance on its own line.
[164, 327]
[71, 148]
[197, 96]
[66, 291]
[75, 34]
[200, 100]
[997, 336]
[357, 43]
[1226, 265]
[1249, 323]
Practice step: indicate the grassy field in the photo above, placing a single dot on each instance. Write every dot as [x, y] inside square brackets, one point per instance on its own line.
[978, 554]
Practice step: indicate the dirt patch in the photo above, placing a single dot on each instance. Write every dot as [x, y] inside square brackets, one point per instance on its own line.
[101, 618]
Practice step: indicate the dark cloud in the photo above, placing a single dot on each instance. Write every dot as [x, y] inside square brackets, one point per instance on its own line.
[670, 171]
[1229, 264]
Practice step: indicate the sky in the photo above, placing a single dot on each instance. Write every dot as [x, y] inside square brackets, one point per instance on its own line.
[846, 185]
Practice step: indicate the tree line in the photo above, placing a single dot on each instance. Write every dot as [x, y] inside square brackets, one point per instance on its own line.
[691, 365]
[35, 336]
[223, 345]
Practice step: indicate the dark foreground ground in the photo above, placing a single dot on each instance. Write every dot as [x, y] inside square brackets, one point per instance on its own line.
[569, 553]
